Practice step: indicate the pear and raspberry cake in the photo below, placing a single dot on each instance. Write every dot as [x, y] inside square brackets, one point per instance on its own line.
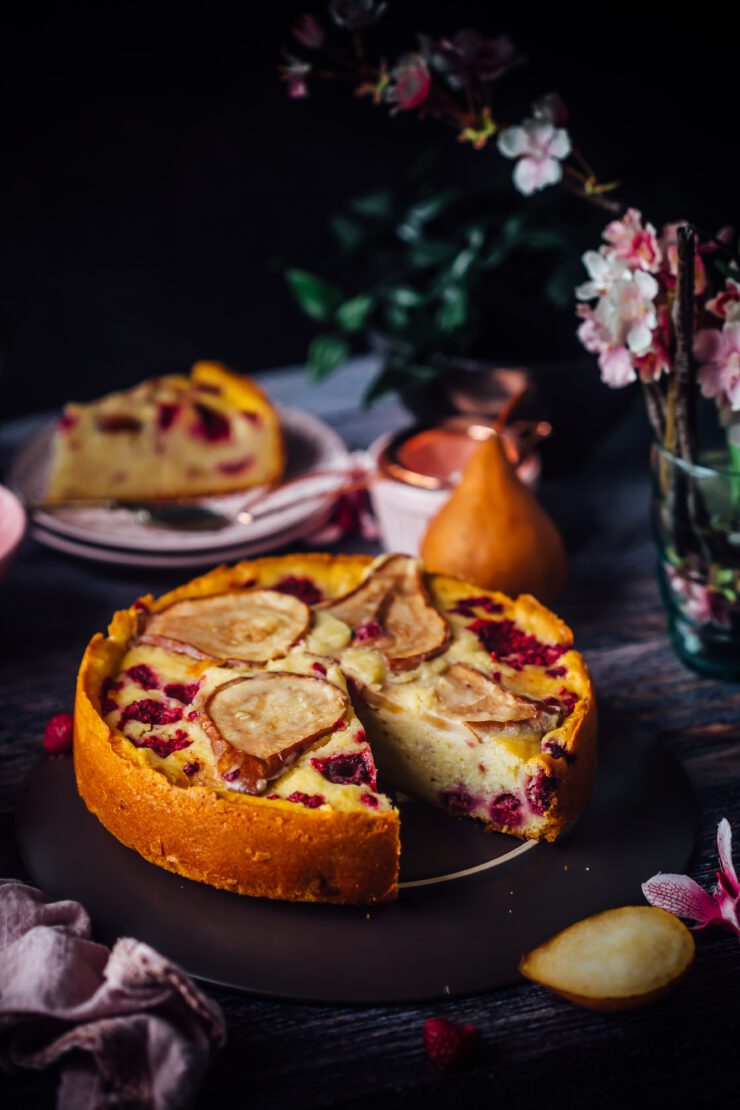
[169, 437]
[230, 730]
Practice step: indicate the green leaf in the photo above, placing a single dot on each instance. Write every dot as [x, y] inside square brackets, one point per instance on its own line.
[495, 258]
[401, 374]
[429, 252]
[412, 225]
[350, 234]
[397, 318]
[385, 382]
[513, 227]
[467, 257]
[352, 315]
[543, 239]
[317, 297]
[376, 205]
[560, 287]
[325, 354]
[453, 312]
[727, 269]
[403, 296]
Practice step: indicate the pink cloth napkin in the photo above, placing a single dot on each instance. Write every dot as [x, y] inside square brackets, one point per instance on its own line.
[130, 1028]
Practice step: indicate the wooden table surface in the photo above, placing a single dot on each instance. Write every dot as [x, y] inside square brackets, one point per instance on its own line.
[537, 1049]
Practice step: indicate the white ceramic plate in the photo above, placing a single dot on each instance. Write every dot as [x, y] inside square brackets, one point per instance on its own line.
[205, 557]
[116, 536]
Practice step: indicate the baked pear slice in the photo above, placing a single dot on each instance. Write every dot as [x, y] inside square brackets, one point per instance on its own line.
[260, 724]
[465, 692]
[616, 960]
[253, 627]
[391, 611]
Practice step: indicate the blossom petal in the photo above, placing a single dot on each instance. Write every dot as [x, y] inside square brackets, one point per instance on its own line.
[681, 896]
[513, 142]
[532, 174]
[646, 283]
[526, 176]
[707, 344]
[724, 850]
[639, 338]
[587, 291]
[559, 145]
[616, 367]
[710, 380]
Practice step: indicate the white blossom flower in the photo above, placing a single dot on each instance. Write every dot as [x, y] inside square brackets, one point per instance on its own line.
[539, 148]
[603, 270]
[628, 312]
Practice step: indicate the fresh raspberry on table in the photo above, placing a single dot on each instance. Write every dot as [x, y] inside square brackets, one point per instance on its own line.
[58, 734]
[448, 1044]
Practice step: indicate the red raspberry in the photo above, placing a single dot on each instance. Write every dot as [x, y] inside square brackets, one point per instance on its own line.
[449, 1045]
[58, 734]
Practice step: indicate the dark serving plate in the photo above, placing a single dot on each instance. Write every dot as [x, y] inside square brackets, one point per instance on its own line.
[471, 903]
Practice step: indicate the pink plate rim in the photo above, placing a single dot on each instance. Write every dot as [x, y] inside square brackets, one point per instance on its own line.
[13, 522]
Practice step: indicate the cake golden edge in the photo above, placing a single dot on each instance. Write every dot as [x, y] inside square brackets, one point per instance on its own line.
[259, 847]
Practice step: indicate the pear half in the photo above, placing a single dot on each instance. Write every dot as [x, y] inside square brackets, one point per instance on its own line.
[616, 960]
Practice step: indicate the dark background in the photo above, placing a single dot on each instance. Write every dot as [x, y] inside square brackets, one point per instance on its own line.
[154, 173]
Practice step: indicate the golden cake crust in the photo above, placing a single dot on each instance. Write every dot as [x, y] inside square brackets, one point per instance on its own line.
[273, 848]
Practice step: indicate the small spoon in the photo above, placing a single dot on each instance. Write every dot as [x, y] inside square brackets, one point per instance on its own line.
[172, 514]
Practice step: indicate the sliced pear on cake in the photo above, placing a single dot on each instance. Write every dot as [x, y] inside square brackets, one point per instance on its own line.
[616, 960]
[253, 627]
[259, 725]
[391, 611]
[464, 691]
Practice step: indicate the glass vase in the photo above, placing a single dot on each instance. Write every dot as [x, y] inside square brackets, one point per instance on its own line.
[696, 518]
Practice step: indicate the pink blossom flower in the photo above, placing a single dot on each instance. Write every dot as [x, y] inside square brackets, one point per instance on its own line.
[468, 59]
[356, 15]
[539, 148]
[636, 244]
[615, 363]
[726, 304]
[627, 329]
[627, 311]
[621, 329]
[410, 82]
[680, 895]
[602, 270]
[309, 32]
[724, 237]
[656, 360]
[294, 73]
[719, 353]
[697, 601]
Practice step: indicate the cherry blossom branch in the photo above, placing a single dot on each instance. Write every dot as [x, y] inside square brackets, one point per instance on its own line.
[684, 375]
[588, 189]
[655, 405]
[434, 78]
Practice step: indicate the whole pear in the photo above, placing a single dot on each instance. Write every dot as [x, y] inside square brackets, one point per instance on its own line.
[494, 532]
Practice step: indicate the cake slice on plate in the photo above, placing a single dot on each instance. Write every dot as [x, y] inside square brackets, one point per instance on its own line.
[169, 437]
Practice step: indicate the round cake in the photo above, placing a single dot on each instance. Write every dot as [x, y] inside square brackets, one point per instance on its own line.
[233, 730]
